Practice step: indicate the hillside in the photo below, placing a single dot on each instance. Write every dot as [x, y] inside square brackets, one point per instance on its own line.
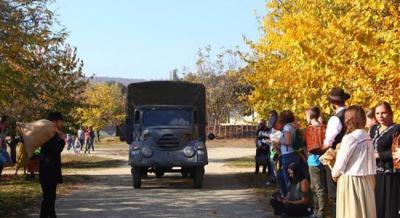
[124, 81]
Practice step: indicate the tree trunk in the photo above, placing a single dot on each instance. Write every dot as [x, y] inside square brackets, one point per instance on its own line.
[215, 125]
[98, 135]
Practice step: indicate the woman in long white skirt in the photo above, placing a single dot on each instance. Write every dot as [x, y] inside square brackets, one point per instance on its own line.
[355, 169]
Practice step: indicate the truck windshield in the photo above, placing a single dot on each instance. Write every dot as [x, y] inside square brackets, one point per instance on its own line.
[168, 117]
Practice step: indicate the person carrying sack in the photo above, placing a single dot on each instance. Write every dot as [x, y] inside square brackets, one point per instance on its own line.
[50, 166]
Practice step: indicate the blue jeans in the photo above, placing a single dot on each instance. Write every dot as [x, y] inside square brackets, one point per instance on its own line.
[287, 159]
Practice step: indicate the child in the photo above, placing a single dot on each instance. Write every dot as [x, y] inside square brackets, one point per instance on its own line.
[77, 145]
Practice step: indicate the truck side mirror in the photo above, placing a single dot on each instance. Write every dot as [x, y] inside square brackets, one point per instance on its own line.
[211, 136]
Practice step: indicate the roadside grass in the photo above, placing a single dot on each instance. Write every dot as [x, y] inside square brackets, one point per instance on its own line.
[73, 164]
[242, 162]
[111, 146]
[110, 143]
[232, 142]
[19, 197]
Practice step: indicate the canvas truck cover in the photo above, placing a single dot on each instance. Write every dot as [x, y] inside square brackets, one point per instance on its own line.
[168, 93]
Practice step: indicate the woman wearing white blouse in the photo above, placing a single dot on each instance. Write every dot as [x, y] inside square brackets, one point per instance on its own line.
[355, 169]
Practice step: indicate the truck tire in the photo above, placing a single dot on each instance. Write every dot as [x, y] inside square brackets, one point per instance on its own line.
[185, 174]
[159, 174]
[198, 174]
[137, 177]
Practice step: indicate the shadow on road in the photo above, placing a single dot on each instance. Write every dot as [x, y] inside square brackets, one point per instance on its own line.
[169, 181]
[171, 196]
[93, 165]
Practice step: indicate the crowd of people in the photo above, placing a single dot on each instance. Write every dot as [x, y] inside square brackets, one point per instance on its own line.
[85, 138]
[347, 167]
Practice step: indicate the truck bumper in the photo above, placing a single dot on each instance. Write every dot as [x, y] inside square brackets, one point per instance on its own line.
[167, 159]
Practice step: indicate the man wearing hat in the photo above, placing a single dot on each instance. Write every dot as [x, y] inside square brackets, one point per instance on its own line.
[334, 133]
[50, 166]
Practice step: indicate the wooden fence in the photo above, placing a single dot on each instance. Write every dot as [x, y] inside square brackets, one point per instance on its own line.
[233, 131]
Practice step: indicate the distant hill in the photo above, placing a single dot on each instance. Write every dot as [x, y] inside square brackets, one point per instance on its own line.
[124, 81]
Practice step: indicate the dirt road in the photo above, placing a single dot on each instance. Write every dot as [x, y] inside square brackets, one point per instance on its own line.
[111, 193]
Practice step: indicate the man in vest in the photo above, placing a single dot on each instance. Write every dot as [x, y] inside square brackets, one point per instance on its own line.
[334, 133]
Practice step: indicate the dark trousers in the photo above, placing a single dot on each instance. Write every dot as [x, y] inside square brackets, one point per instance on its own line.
[82, 141]
[88, 145]
[265, 152]
[13, 151]
[49, 199]
[92, 143]
[260, 152]
[318, 187]
[331, 187]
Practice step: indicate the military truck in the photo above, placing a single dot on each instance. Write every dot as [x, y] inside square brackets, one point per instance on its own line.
[165, 130]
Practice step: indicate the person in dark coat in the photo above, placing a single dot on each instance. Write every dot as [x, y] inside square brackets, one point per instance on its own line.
[50, 167]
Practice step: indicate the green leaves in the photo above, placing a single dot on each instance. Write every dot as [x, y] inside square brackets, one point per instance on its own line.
[39, 72]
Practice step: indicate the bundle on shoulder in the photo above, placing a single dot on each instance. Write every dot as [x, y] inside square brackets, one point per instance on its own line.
[35, 134]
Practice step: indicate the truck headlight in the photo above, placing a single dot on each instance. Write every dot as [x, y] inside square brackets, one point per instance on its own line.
[201, 146]
[134, 147]
[188, 151]
[147, 152]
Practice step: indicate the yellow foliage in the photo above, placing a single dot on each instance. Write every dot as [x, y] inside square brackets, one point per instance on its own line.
[104, 105]
[310, 46]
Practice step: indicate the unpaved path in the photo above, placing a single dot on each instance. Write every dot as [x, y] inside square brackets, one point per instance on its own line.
[111, 193]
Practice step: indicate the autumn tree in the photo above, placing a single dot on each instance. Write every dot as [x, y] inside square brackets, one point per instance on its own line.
[310, 46]
[39, 71]
[103, 106]
[221, 75]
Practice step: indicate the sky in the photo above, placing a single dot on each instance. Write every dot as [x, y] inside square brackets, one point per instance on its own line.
[146, 39]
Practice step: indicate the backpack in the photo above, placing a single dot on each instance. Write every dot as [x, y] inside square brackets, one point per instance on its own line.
[315, 138]
[298, 142]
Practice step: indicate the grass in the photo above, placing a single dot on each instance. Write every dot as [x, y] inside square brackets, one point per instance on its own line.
[243, 162]
[244, 142]
[18, 196]
[110, 143]
[71, 161]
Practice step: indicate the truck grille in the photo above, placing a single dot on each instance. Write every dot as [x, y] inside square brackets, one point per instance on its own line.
[168, 141]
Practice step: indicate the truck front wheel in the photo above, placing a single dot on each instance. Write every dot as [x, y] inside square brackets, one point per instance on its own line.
[159, 174]
[198, 174]
[137, 177]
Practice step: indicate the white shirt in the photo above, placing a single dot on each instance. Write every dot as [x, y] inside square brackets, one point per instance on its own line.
[333, 128]
[81, 134]
[274, 134]
[287, 129]
[355, 156]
